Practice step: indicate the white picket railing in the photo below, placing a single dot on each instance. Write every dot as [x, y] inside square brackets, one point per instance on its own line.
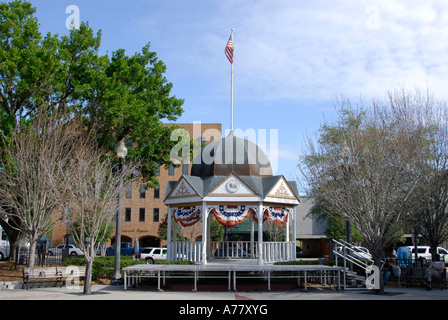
[278, 251]
[192, 250]
[234, 250]
[185, 250]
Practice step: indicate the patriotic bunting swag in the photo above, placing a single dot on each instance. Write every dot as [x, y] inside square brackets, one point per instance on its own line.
[277, 215]
[187, 216]
[230, 216]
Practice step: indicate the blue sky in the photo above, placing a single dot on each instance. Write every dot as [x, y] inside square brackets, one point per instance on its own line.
[291, 57]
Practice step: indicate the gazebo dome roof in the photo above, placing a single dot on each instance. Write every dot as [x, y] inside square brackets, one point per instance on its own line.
[231, 155]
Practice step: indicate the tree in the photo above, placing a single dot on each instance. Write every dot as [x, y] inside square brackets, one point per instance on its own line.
[368, 170]
[126, 98]
[120, 97]
[92, 192]
[336, 225]
[27, 69]
[34, 161]
[430, 216]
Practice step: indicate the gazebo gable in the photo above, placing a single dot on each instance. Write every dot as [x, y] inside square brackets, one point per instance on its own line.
[182, 189]
[232, 186]
[282, 190]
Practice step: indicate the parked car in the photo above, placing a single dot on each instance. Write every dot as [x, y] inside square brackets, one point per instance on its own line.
[126, 249]
[72, 250]
[299, 252]
[357, 252]
[424, 252]
[4, 245]
[361, 253]
[151, 255]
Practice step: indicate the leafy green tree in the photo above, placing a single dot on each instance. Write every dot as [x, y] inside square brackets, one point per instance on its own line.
[126, 98]
[336, 225]
[121, 97]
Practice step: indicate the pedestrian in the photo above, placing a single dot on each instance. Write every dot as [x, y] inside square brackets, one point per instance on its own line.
[434, 271]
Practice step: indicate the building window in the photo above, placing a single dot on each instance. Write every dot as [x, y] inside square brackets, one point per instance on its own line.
[141, 215]
[142, 191]
[129, 191]
[156, 215]
[185, 169]
[127, 215]
[171, 171]
[157, 192]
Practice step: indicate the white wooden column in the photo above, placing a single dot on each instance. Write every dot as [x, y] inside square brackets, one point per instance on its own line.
[252, 236]
[168, 235]
[294, 228]
[204, 232]
[260, 234]
[209, 222]
[288, 246]
[174, 241]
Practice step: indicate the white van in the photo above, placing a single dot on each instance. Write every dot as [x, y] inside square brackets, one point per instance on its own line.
[425, 253]
[4, 245]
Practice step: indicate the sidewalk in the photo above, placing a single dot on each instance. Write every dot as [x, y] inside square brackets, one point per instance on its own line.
[105, 292]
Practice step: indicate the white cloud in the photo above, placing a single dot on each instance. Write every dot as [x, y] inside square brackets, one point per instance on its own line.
[292, 50]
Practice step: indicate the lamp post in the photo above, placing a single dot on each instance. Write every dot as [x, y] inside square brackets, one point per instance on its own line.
[117, 279]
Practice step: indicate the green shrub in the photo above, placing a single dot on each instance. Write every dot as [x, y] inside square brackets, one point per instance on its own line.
[103, 267]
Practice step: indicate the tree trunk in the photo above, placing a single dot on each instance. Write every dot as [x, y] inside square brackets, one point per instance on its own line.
[88, 277]
[380, 277]
[89, 254]
[13, 237]
[13, 246]
[377, 256]
[32, 253]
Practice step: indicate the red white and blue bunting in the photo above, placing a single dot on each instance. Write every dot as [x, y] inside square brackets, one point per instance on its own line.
[187, 216]
[277, 215]
[230, 216]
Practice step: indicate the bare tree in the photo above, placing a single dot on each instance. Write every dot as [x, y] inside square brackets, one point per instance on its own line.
[36, 155]
[430, 216]
[92, 191]
[367, 168]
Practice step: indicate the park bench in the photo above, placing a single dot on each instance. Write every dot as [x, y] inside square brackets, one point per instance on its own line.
[48, 274]
[72, 272]
[416, 276]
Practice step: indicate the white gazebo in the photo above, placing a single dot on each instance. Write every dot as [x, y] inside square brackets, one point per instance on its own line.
[232, 180]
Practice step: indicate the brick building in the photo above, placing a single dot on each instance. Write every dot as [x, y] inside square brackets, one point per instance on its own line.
[143, 209]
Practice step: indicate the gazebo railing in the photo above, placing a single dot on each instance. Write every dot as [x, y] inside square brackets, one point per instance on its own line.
[278, 251]
[272, 251]
[192, 250]
[234, 250]
[185, 250]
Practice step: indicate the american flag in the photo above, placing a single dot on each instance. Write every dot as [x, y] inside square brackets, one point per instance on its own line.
[229, 49]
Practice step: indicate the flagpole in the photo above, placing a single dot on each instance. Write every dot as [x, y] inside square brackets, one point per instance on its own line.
[231, 92]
